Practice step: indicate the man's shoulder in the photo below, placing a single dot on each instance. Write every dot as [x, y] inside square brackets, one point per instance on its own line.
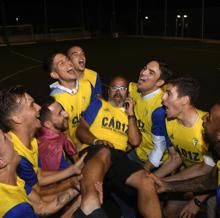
[90, 72]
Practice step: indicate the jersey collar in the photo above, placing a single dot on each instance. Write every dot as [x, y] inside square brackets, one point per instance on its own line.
[73, 91]
[145, 97]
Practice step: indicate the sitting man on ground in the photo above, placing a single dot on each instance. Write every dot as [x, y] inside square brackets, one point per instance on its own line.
[187, 147]
[19, 116]
[108, 127]
[73, 94]
[210, 181]
[14, 201]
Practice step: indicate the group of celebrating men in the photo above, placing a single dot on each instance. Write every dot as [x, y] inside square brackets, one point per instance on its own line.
[146, 139]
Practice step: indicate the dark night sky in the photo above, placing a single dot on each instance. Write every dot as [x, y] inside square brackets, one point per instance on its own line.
[97, 15]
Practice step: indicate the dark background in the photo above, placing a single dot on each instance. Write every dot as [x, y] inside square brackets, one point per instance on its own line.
[107, 16]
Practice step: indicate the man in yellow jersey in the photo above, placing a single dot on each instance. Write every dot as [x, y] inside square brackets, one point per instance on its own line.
[19, 117]
[208, 182]
[185, 131]
[147, 94]
[14, 201]
[107, 127]
[74, 95]
[77, 56]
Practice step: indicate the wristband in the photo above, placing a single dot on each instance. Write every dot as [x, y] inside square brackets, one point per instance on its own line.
[198, 202]
[131, 117]
[94, 141]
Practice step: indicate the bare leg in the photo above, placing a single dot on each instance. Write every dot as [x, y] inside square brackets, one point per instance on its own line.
[148, 202]
[69, 213]
[94, 171]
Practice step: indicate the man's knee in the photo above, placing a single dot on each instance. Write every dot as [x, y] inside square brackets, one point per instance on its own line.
[104, 155]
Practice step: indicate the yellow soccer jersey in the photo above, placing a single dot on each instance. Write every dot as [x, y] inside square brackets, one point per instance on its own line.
[74, 104]
[10, 197]
[28, 166]
[94, 79]
[108, 123]
[188, 141]
[218, 166]
[144, 111]
[90, 75]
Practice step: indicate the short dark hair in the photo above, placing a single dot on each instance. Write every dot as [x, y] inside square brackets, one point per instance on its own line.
[48, 61]
[9, 102]
[166, 72]
[45, 113]
[187, 86]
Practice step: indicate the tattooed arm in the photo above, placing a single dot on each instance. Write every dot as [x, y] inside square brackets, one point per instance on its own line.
[201, 184]
[45, 208]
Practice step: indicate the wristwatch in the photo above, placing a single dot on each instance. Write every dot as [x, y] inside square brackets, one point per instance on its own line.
[198, 202]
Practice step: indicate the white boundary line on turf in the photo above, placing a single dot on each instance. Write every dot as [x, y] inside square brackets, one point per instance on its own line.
[25, 56]
[18, 72]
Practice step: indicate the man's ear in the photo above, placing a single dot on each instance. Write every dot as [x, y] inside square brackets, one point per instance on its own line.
[47, 124]
[16, 119]
[186, 99]
[54, 75]
[2, 163]
[160, 82]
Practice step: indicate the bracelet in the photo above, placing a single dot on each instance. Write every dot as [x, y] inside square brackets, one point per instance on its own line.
[197, 202]
[131, 117]
[94, 141]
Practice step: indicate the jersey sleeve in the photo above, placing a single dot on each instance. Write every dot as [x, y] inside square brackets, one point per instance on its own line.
[98, 86]
[23, 210]
[26, 172]
[91, 112]
[159, 136]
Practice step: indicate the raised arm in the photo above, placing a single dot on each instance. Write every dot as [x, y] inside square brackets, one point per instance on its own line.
[134, 135]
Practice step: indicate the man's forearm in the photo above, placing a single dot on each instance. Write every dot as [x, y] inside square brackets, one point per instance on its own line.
[199, 184]
[134, 135]
[47, 208]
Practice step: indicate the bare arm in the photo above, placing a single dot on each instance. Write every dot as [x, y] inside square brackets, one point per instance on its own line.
[172, 163]
[46, 178]
[198, 184]
[45, 208]
[72, 182]
[191, 172]
[134, 135]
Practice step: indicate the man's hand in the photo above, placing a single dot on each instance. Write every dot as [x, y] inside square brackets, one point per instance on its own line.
[77, 167]
[130, 106]
[161, 185]
[98, 186]
[189, 210]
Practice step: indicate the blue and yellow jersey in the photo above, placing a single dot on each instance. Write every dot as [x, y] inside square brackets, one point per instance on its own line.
[74, 103]
[14, 202]
[188, 141]
[28, 167]
[218, 188]
[107, 123]
[151, 122]
[94, 79]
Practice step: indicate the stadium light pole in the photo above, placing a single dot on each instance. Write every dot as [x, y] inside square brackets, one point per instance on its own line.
[183, 24]
[203, 16]
[177, 22]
